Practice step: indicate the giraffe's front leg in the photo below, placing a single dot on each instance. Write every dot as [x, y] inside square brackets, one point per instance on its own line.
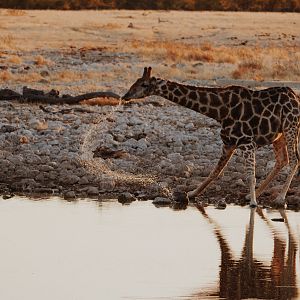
[291, 137]
[282, 160]
[248, 151]
[227, 153]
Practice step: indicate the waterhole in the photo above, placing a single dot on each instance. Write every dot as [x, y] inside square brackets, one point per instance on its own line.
[53, 249]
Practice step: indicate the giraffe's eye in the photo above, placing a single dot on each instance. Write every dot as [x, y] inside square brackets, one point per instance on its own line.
[145, 85]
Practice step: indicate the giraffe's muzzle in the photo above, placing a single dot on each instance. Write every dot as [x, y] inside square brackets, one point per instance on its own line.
[126, 97]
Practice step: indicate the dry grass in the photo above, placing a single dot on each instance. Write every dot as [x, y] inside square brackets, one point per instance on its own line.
[15, 12]
[89, 77]
[15, 59]
[40, 60]
[7, 41]
[111, 26]
[2, 25]
[206, 52]
[249, 62]
[178, 52]
[71, 76]
[107, 26]
[173, 51]
[31, 77]
[269, 63]
[6, 76]
[110, 101]
[246, 67]
[101, 101]
[24, 139]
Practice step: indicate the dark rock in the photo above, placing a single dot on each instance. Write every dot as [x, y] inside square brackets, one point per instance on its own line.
[126, 197]
[92, 191]
[106, 153]
[44, 190]
[179, 205]
[69, 195]
[8, 128]
[221, 204]
[181, 197]
[161, 201]
[45, 73]
[7, 196]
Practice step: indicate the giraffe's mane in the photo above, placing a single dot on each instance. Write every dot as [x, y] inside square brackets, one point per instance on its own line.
[228, 87]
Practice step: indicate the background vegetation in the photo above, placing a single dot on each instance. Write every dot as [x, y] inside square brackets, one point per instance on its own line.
[251, 5]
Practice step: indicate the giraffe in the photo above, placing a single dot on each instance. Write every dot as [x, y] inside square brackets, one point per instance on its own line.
[249, 119]
[248, 277]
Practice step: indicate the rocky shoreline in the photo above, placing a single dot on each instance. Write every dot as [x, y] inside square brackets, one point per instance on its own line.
[149, 149]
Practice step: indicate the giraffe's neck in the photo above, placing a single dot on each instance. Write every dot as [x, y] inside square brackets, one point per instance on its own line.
[205, 100]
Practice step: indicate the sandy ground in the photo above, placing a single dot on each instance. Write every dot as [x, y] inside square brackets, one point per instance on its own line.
[57, 29]
[92, 50]
[87, 51]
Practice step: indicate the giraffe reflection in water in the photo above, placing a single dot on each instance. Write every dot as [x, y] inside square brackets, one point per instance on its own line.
[247, 277]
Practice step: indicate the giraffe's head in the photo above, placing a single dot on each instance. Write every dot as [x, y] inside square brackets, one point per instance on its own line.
[143, 87]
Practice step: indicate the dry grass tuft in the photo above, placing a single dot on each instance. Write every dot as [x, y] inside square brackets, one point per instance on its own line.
[6, 76]
[25, 78]
[247, 68]
[206, 46]
[15, 12]
[7, 41]
[111, 26]
[280, 63]
[73, 76]
[42, 61]
[102, 101]
[41, 125]
[24, 139]
[107, 26]
[15, 59]
[2, 25]
[174, 51]
[268, 63]
[31, 77]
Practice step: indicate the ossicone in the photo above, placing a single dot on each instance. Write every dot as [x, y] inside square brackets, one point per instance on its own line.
[147, 72]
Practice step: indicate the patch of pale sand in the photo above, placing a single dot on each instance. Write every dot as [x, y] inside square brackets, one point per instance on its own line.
[108, 30]
[54, 29]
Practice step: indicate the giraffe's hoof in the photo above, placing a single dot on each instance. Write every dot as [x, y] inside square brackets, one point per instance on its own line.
[253, 205]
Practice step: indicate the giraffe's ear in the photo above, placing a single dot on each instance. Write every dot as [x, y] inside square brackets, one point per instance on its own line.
[149, 72]
[145, 72]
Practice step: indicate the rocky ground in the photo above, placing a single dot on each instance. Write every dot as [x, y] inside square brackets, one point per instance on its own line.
[149, 149]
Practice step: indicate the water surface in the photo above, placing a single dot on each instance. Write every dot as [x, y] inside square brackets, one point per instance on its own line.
[53, 249]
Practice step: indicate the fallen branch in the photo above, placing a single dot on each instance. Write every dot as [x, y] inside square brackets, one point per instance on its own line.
[52, 97]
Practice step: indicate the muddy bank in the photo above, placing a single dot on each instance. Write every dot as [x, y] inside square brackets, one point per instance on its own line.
[149, 149]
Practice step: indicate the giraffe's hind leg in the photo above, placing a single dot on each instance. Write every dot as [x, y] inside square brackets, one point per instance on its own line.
[248, 151]
[281, 156]
[227, 153]
[291, 138]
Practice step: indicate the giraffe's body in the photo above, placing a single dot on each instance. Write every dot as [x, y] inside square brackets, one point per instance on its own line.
[244, 115]
[249, 119]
